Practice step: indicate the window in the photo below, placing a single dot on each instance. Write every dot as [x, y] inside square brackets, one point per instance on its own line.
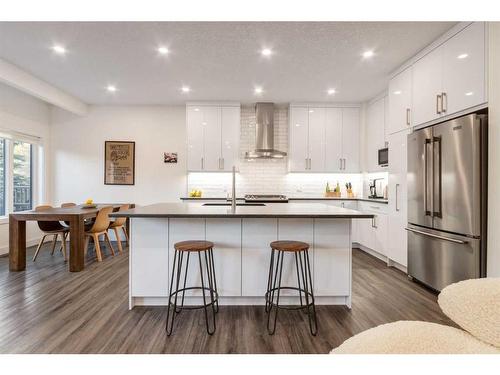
[2, 177]
[22, 176]
[20, 187]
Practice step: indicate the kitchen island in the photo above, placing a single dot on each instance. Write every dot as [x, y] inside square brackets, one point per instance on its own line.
[242, 253]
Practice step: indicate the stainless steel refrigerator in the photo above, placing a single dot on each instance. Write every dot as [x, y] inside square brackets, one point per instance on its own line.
[447, 182]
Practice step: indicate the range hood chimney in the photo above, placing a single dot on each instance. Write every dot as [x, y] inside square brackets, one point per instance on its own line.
[264, 134]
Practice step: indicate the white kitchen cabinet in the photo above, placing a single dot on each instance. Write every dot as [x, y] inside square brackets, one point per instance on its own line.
[316, 144]
[450, 78]
[213, 137]
[350, 140]
[333, 138]
[464, 69]
[323, 139]
[397, 193]
[375, 134]
[399, 98]
[373, 233]
[298, 154]
[230, 137]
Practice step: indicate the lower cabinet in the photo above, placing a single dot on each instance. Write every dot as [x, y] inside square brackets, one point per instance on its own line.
[373, 233]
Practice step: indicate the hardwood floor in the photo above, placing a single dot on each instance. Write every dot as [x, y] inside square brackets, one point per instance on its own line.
[49, 310]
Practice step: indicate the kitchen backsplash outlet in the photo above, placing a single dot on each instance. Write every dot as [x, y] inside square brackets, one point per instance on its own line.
[269, 176]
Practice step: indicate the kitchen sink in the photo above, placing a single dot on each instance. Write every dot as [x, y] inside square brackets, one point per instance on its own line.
[238, 204]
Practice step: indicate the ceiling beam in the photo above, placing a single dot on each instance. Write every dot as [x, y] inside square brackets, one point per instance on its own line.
[28, 83]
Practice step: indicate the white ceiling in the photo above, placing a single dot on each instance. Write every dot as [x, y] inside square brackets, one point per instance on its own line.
[218, 60]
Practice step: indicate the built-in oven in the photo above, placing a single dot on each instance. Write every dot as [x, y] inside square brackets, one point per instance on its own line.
[383, 157]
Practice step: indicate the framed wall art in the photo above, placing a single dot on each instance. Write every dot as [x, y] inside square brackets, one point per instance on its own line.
[119, 163]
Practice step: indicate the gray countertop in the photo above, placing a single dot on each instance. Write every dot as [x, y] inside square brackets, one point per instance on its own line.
[378, 200]
[274, 210]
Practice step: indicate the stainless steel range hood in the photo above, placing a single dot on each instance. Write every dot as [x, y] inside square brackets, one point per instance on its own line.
[264, 134]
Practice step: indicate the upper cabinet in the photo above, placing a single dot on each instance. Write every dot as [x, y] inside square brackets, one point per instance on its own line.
[375, 135]
[213, 134]
[450, 78]
[399, 97]
[323, 139]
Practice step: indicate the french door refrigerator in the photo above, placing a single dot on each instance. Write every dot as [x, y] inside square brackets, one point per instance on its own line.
[447, 181]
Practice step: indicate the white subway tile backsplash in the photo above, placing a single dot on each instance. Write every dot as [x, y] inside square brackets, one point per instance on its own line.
[269, 176]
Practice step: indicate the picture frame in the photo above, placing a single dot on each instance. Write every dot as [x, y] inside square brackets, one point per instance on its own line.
[119, 163]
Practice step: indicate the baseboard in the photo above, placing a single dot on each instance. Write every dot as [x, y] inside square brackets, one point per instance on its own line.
[383, 258]
[4, 251]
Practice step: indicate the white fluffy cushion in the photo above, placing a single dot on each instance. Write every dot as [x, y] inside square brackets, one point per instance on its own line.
[475, 306]
[411, 337]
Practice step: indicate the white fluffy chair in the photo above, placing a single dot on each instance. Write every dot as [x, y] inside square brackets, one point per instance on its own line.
[473, 304]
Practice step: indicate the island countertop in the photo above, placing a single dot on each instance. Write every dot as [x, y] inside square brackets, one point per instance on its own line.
[269, 210]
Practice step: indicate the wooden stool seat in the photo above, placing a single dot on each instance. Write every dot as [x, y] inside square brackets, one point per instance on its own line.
[193, 246]
[291, 246]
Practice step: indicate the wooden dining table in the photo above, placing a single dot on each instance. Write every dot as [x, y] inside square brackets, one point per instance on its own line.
[75, 215]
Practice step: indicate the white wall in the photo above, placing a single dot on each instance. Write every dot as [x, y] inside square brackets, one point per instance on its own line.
[494, 151]
[23, 113]
[78, 153]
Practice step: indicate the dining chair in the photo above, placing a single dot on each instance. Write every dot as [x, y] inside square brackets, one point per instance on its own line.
[51, 228]
[119, 223]
[100, 227]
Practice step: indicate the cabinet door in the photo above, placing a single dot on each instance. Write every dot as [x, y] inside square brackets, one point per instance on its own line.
[350, 140]
[316, 142]
[212, 138]
[333, 138]
[226, 234]
[195, 143]
[299, 133]
[380, 234]
[427, 84]
[397, 219]
[399, 102]
[230, 129]
[464, 69]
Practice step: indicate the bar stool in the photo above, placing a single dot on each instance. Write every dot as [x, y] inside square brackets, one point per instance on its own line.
[304, 280]
[205, 247]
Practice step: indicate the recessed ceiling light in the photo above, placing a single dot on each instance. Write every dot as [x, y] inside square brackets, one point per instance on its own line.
[57, 48]
[470, 93]
[258, 90]
[266, 52]
[368, 54]
[311, 111]
[185, 89]
[462, 56]
[196, 109]
[331, 91]
[111, 88]
[398, 92]
[163, 50]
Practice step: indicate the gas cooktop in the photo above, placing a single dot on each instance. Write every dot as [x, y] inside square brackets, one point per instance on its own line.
[266, 198]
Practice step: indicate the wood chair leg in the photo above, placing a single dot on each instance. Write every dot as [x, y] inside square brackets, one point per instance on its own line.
[117, 235]
[108, 243]
[86, 245]
[54, 242]
[126, 235]
[97, 247]
[63, 246]
[39, 246]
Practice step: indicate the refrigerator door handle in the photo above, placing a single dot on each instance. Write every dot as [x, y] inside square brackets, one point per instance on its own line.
[426, 177]
[397, 188]
[436, 166]
[437, 236]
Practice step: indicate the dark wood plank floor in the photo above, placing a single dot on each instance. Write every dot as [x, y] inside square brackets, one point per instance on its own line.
[49, 310]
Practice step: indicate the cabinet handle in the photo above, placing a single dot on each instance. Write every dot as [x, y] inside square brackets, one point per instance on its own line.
[397, 206]
[408, 116]
[374, 222]
[340, 163]
[444, 102]
[344, 164]
[438, 105]
[222, 163]
[307, 163]
[202, 163]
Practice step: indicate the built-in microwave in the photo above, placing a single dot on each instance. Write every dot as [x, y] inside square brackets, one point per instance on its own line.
[383, 157]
